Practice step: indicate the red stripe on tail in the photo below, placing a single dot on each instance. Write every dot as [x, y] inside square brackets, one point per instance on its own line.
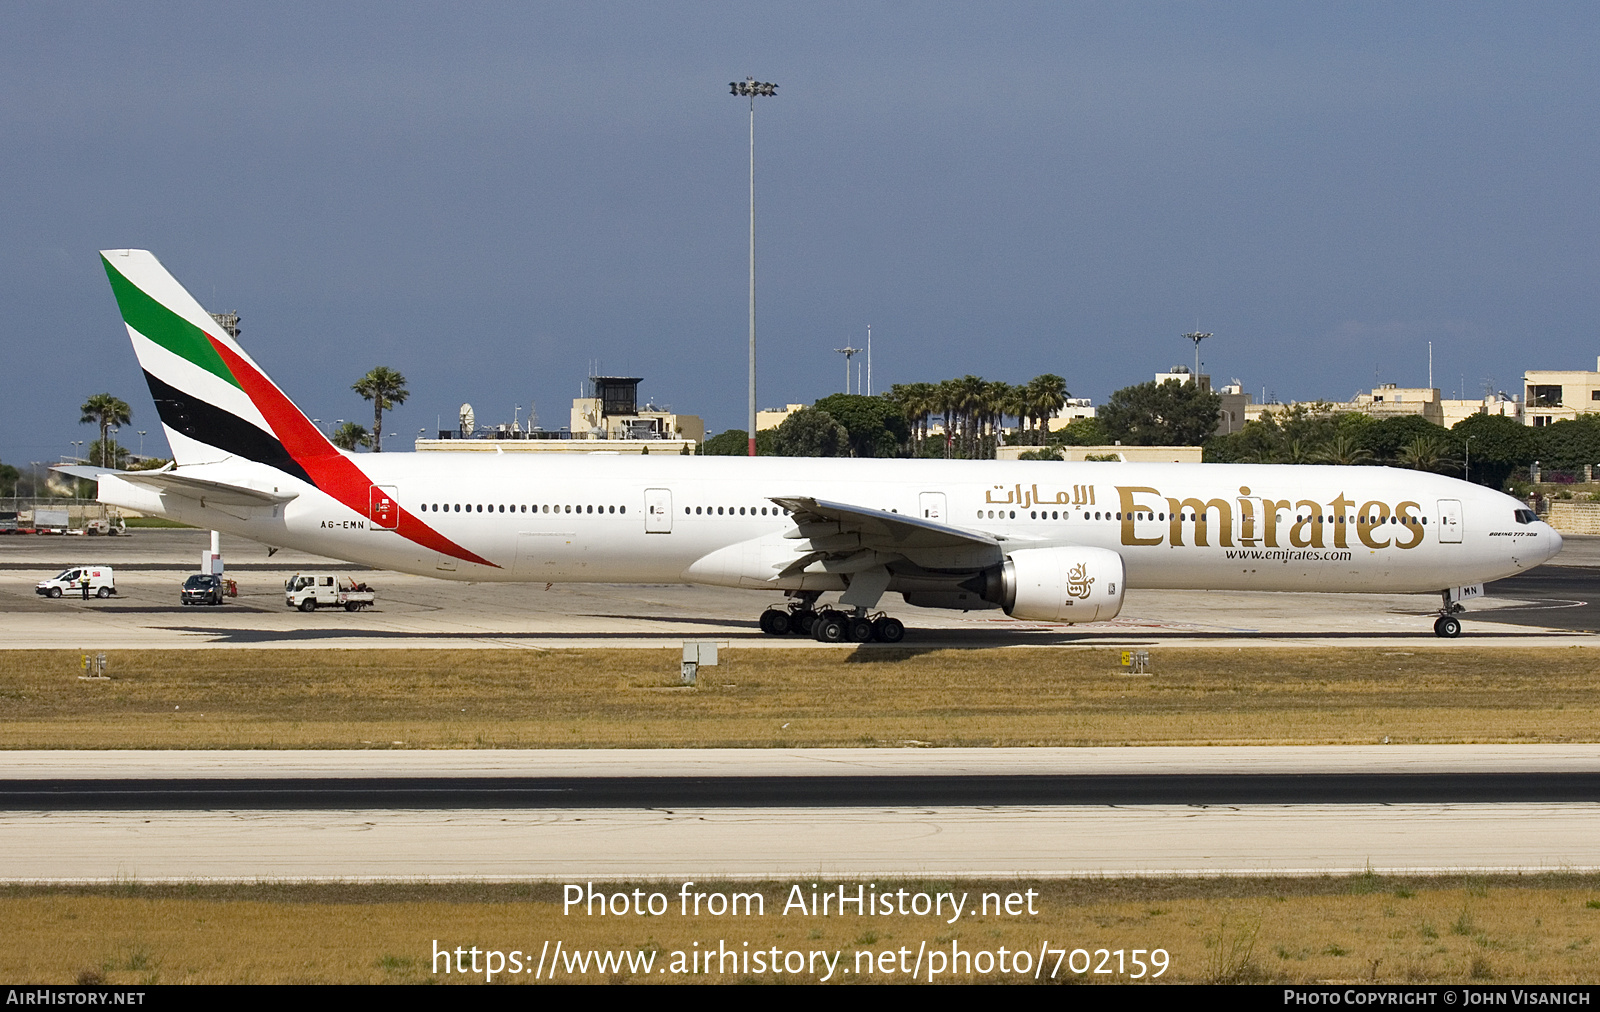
[330, 470]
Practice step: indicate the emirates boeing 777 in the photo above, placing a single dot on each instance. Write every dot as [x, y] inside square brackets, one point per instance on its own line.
[1048, 542]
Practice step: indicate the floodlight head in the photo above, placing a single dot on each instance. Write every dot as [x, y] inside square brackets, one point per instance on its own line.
[751, 88]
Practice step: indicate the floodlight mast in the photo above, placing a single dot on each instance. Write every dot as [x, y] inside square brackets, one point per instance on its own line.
[849, 353]
[1196, 337]
[751, 88]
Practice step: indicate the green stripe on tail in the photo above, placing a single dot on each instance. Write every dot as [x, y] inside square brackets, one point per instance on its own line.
[165, 327]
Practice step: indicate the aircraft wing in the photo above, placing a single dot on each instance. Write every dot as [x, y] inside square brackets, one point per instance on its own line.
[199, 489]
[821, 521]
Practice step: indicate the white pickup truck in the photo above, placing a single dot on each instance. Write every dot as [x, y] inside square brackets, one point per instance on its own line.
[310, 591]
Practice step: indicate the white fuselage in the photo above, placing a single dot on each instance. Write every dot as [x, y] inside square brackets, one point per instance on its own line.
[586, 518]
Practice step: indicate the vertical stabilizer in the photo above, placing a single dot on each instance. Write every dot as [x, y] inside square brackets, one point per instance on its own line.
[214, 401]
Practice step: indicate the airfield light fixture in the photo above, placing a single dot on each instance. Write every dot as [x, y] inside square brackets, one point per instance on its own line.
[752, 89]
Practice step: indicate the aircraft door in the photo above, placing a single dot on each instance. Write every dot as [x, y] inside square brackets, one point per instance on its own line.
[658, 511]
[1450, 521]
[1249, 521]
[932, 506]
[384, 510]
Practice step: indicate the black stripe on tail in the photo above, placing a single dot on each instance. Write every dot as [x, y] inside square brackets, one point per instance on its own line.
[225, 430]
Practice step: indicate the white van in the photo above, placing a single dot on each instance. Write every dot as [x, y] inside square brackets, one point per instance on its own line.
[70, 582]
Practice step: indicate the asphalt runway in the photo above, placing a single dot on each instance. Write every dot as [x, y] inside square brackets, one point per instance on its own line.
[1560, 597]
[1551, 605]
[524, 793]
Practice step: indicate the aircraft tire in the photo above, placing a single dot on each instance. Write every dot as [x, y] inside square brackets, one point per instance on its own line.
[802, 621]
[1447, 626]
[888, 630]
[775, 622]
[860, 630]
[829, 628]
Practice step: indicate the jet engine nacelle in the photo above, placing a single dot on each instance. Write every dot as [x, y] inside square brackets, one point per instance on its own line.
[1058, 584]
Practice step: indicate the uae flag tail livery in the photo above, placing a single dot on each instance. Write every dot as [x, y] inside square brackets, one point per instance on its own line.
[218, 406]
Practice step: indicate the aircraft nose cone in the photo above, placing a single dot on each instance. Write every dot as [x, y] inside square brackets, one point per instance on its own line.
[1555, 543]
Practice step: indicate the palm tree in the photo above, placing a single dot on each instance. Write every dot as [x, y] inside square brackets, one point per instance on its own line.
[350, 435]
[105, 411]
[1046, 394]
[1426, 453]
[917, 401]
[968, 404]
[948, 400]
[1343, 450]
[384, 388]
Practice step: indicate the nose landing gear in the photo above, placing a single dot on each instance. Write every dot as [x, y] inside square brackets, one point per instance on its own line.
[1447, 626]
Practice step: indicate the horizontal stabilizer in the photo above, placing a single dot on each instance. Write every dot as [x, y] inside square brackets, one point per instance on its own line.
[199, 489]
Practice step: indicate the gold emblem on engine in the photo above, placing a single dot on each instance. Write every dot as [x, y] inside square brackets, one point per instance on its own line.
[1079, 582]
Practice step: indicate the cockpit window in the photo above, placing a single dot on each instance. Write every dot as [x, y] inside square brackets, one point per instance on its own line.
[1526, 516]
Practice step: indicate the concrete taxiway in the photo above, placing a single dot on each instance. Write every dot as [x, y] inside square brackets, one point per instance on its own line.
[702, 844]
[1548, 606]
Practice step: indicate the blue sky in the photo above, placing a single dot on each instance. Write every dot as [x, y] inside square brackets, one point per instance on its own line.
[493, 198]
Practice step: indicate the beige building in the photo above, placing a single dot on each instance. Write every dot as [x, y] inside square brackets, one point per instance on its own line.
[1391, 401]
[1554, 395]
[1386, 401]
[609, 422]
[1139, 454]
[1074, 409]
[771, 418]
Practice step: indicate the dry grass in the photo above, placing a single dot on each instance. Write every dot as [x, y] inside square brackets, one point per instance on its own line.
[1368, 928]
[778, 698]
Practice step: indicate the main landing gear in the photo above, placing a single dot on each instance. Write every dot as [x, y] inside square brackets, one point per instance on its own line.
[1447, 625]
[830, 625]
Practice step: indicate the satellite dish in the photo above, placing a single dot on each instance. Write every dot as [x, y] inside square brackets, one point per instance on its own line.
[468, 420]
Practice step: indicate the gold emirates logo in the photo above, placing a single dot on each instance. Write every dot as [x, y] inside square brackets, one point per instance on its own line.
[1079, 582]
[1264, 522]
